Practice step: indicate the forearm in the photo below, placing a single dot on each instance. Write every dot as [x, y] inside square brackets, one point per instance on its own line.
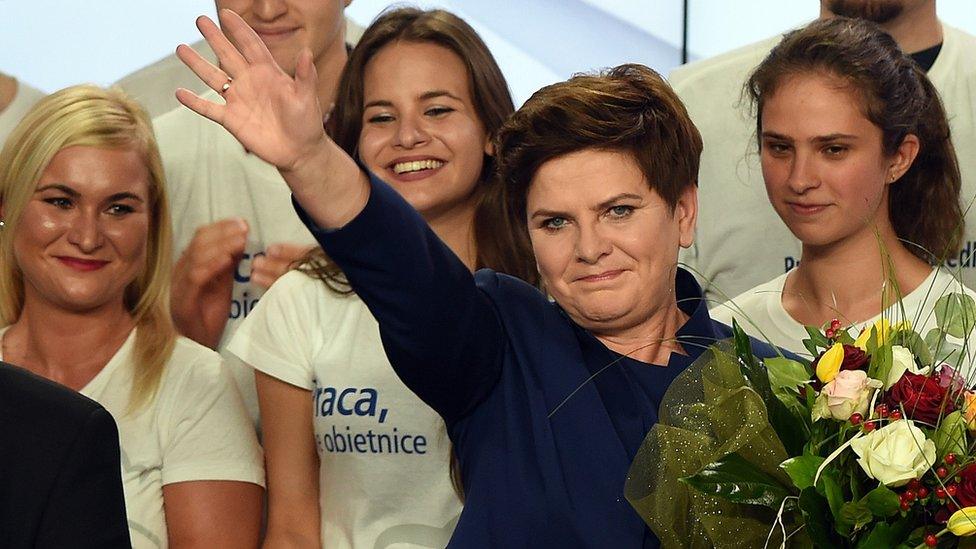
[292, 536]
[439, 330]
[329, 185]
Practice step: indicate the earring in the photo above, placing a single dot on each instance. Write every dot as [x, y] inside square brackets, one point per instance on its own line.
[2, 223]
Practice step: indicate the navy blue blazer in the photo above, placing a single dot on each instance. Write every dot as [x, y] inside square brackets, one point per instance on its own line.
[60, 472]
[545, 419]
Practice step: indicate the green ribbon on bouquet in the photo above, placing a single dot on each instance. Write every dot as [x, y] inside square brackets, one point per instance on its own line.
[715, 428]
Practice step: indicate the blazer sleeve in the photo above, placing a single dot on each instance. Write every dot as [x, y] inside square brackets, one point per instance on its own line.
[87, 507]
[440, 332]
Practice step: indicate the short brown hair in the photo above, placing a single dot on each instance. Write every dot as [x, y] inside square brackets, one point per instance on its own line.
[628, 109]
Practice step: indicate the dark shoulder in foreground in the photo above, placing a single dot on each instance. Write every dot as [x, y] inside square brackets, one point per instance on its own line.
[26, 394]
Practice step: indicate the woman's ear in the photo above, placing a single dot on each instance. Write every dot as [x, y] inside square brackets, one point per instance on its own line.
[489, 146]
[903, 158]
[686, 213]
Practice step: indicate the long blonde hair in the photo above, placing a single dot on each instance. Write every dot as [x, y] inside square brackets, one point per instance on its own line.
[90, 116]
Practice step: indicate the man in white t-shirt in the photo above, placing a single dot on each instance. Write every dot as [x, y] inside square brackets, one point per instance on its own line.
[16, 98]
[740, 241]
[235, 230]
[153, 85]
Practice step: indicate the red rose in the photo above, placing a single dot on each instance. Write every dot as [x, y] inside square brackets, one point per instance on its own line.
[966, 496]
[922, 397]
[854, 358]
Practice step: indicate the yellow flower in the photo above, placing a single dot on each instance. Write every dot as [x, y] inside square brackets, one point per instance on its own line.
[884, 329]
[969, 410]
[963, 522]
[829, 364]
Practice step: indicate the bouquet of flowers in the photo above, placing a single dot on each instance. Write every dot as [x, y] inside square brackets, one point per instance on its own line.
[870, 445]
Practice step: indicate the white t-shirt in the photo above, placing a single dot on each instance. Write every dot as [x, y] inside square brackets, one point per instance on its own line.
[210, 177]
[194, 429]
[10, 116]
[384, 455]
[760, 312]
[740, 241]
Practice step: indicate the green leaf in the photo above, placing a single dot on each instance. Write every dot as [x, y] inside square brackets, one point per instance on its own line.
[790, 428]
[882, 501]
[934, 339]
[786, 374]
[885, 536]
[816, 342]
[802, 470]
[881, 360]
[914, 343]
[843, 336]
[951, 435]
[735, 479]
[956, 314]
[817, 518]
[834, 494]
[854, 515]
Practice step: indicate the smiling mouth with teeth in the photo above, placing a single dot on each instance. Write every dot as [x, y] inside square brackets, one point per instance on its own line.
[416, 166]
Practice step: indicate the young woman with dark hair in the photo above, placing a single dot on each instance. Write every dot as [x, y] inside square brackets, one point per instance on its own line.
[858, 162]
[368, 463]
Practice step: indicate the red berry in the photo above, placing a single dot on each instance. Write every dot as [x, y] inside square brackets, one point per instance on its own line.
[909, 495]
[950, 458]
[831, 333]
[881, 410]
[942, 472]
[914, 484]
[905, 505]
[952, 489]
[931, 540]
[869, 426]
[923, 492]
[896, 415]
[834, 324]
[856, 419]
[940, 492]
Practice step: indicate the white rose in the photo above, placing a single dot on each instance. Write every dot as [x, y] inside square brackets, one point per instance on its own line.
[895, 453]
[902, 360]
[848, 393]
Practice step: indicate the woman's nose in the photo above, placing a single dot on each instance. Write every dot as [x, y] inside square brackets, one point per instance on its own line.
[410, 133]
[85, 232]
[803, 174]
[592, 244]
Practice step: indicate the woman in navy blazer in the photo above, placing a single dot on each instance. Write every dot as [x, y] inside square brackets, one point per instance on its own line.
[546, 403]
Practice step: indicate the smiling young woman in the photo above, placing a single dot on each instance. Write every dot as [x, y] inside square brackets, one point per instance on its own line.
[858, 163]
[417, 104]
[84, 286]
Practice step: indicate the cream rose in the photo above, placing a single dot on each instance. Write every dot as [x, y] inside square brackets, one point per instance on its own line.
[902, 360]
[895, 453]
[849, 392]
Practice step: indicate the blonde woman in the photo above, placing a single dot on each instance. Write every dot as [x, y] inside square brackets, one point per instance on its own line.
[84, 276]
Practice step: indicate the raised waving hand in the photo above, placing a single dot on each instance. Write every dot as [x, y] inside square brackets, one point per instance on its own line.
[275, 116]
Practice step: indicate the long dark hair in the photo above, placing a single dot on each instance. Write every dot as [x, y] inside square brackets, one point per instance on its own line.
[498, 246]
[899, 99]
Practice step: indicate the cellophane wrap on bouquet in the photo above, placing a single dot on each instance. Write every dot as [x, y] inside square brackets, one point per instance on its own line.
[706, 414]
[871, 445]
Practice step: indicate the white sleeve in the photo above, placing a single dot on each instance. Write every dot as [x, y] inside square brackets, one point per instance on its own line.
[205, 432]
[281, 334]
